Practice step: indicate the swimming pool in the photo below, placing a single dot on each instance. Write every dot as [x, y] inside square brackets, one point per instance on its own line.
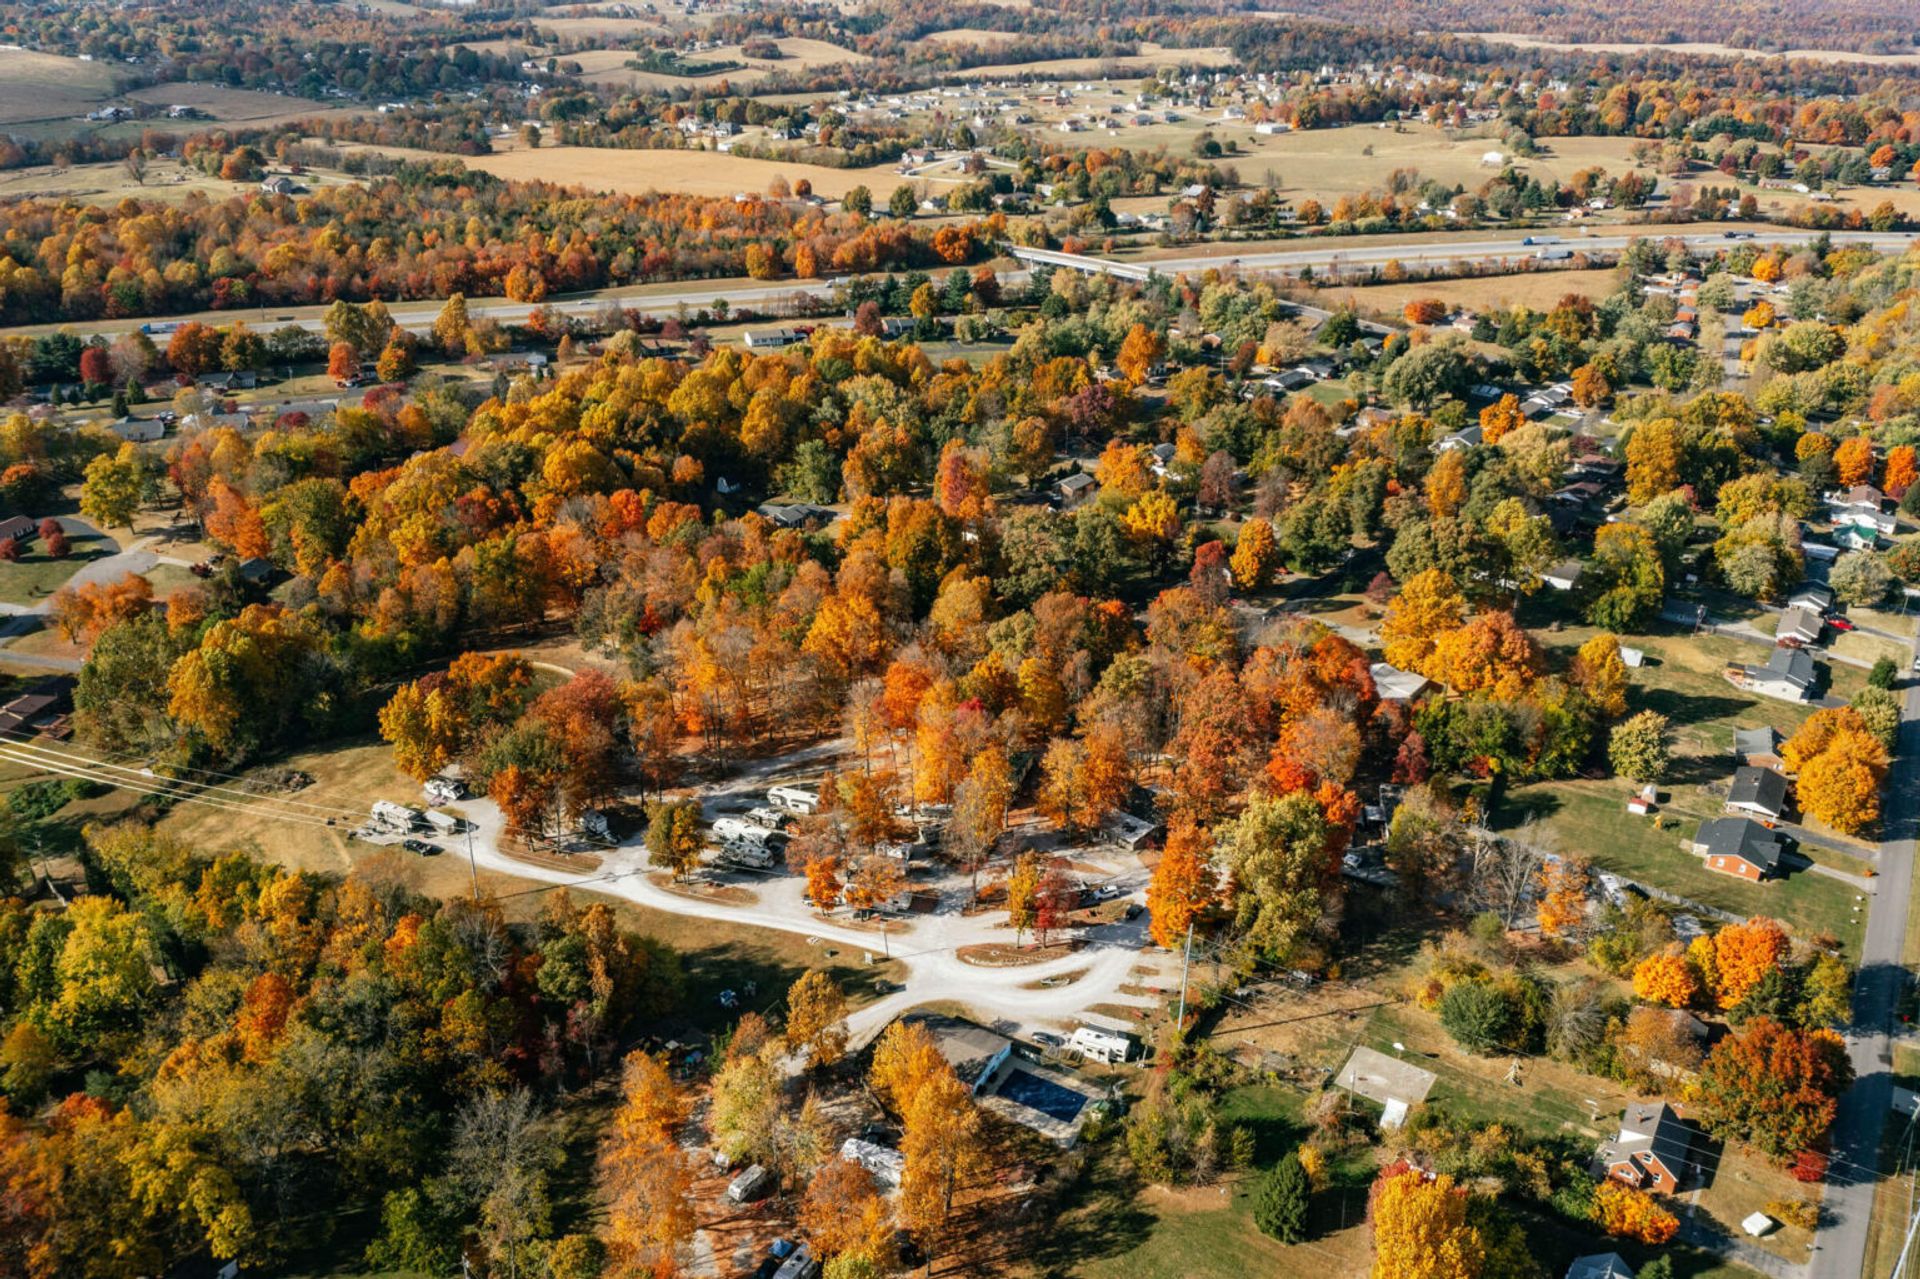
[1043, 1095]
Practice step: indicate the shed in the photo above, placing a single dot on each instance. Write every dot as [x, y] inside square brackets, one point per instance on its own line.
[1759, 747]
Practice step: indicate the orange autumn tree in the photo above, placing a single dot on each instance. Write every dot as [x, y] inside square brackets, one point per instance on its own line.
[1184, 884]
[1632, 1214]
[82, 612]
[1901, 470]
[1564, 885]
[1743, 954]
[1853, 460]
[1841, 785]
[1666, 978]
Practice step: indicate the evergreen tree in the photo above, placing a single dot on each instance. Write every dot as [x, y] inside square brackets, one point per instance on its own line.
[1280, 1203]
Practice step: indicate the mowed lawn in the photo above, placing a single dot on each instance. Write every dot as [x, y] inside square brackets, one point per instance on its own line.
[36, 575]
[1683, 680]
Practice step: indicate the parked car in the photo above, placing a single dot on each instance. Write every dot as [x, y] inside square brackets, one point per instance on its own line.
[1838, 621]
[420, 846]
[1047, 1039]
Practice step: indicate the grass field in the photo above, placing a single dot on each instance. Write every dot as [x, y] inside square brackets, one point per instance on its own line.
[36, 575]
[1150, 58]
[608, 66]
[694, 172]
[234, 106]
[1539, 290]
[1709, 49]
[45, 86]
[107, 184]
[1682, 680]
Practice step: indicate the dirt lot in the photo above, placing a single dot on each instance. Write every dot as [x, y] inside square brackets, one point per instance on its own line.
[45, 86]
[694, 172]
[1536, 289]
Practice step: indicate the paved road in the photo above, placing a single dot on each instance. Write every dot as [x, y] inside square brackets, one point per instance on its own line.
[1841, 1247]
[419, 316]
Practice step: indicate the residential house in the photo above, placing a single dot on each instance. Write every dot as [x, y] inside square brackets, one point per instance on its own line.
[1759, 747]
[1798, 624]
[1395, 685]
[1652, 1151]
[43, 708]
[1789, 675]
[795, 514]
[772, 339]
[18, 529]
[1564, 576]
[138, 430]
[1601, 1265]
[510, 361]
[1760, 793]
[1466, 438]
[1738, 846]
[974, 1052]
[1817, 596]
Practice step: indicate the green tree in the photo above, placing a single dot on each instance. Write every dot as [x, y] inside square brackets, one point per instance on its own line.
[858, 200]
[1280, 1202]
[673, 835]
[902, 202]
[1285, 860]
[1639, 748]
[1861, 578]
[1477, 1015]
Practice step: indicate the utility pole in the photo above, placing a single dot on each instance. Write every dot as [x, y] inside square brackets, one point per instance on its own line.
[473, 867]
[1186, 962]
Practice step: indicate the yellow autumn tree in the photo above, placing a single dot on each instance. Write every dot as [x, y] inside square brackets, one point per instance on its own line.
[1420, 1228]
[1428, 606]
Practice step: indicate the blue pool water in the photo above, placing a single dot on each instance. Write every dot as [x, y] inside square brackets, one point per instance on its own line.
[1043, 1095]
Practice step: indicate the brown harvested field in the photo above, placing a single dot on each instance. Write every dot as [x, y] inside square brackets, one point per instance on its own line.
[235, 106]
[1150, 58]
[600, 27]
[1347, 161]
[608, 66]
[1701, 48]
[970, 35]
[166, 180]
[45, 86]
[706, 173]
[1536, 289]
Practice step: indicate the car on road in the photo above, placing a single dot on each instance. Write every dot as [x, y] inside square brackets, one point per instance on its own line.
[420, 846]
[1838, 621]
[1133, 910]
[1107, 892]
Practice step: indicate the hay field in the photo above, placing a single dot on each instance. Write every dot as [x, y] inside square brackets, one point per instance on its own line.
[1346, 161]
[608, 66]
[604, 27]
[1539, 290]
[45, 86]
[1150, 58]
[234, 106]
[1704, 49]
[970, 35]
[707, 173]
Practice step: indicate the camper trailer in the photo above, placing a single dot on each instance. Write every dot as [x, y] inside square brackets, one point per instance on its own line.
[445, 823]
[795, 799]
[1098, 1044]
[593, 823]
[745, 844]
[397, 818]
[750, 1185]
[444, 790]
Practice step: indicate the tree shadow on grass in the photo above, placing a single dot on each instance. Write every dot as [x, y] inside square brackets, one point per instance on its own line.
[1097, 1216]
